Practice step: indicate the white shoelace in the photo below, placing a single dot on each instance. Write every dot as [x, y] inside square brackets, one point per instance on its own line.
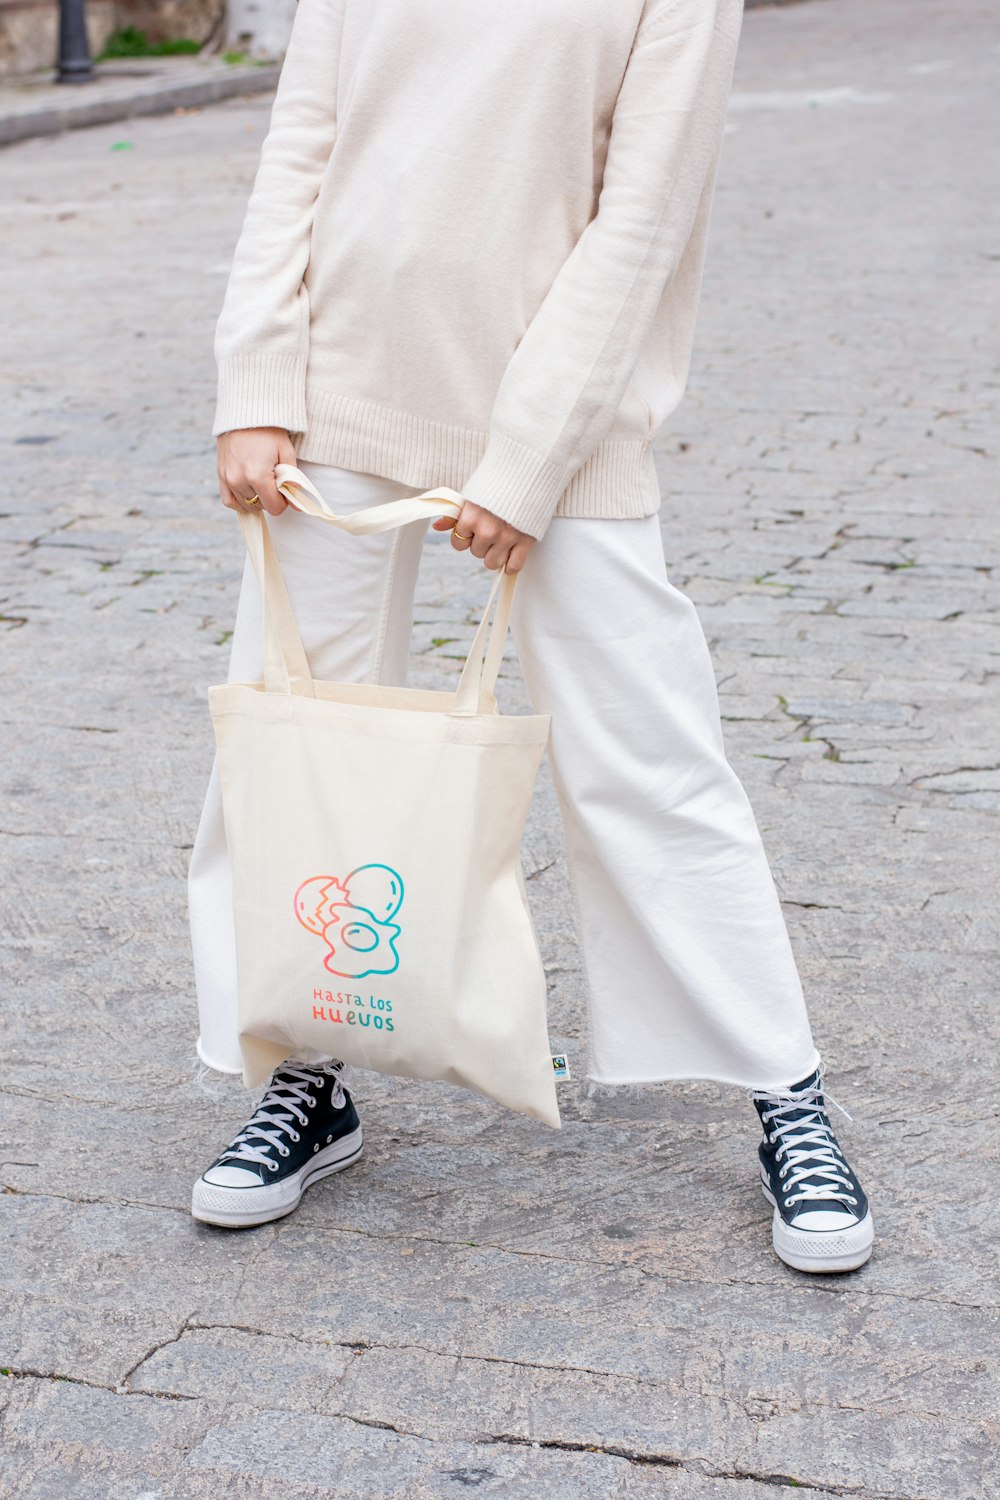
[806, 1146]
[276, 1114]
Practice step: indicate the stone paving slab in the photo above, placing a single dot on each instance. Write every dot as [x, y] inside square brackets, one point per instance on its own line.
[478, 1286]
[305, 1457]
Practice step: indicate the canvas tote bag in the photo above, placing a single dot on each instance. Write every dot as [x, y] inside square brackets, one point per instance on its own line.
[380, 906]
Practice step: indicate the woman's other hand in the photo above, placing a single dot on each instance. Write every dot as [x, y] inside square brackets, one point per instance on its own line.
[480, 532]
[247, 459]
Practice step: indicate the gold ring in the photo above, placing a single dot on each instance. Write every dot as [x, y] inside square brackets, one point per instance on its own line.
[252, 500]
[462, 534]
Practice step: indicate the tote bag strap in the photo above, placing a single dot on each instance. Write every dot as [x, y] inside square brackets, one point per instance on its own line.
[286, 668]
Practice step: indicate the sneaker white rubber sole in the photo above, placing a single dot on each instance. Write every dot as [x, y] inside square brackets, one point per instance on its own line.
[241, 1208]
[821, 1251]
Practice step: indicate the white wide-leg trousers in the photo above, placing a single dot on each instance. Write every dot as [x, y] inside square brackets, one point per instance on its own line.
[688, 967]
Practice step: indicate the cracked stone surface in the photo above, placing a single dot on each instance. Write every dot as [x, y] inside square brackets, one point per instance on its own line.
[482, 1305]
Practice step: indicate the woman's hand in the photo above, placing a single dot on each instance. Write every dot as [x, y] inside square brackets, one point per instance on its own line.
[496, 542]
[246, 464]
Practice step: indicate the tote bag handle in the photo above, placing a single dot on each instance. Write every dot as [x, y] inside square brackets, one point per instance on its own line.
[286, 668]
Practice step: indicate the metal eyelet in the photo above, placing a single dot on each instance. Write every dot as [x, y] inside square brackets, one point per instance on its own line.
[272, 1166]
[294, 1135]
[312, 1101]
[283, 1150]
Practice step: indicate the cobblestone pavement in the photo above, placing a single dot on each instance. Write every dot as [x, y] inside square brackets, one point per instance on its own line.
[483, 1304]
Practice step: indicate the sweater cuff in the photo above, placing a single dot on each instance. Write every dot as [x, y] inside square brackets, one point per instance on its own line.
[261, 390]
[517, 484]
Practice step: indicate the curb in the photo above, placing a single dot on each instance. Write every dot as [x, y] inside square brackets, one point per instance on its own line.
[153, 98]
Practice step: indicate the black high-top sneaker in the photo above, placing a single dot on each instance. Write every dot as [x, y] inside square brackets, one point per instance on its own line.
[822, 1221]
[304, 1128]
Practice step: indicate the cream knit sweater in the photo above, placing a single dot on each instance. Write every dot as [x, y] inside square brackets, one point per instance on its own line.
[473, 251]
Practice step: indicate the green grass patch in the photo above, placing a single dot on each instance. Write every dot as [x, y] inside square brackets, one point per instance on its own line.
[132, 43]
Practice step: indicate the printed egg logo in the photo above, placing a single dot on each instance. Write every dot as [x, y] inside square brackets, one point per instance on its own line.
[352, 916]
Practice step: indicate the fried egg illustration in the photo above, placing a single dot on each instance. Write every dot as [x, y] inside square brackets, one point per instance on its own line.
[352, 916]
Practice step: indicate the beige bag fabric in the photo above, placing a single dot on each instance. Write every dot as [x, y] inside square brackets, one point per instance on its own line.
[374, 833]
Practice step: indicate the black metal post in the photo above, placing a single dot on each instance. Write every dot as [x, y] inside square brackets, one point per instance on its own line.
[75, 65]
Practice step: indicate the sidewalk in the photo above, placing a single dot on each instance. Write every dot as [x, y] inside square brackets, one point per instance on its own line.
[35, 105]
[482, 1307]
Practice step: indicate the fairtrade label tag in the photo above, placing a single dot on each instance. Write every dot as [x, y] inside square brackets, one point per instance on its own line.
[560, 1064]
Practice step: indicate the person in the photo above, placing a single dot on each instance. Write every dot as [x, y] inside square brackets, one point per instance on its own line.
[472, 257]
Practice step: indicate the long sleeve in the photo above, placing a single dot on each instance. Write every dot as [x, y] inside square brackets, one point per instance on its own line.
[262, 336]
[567, 377]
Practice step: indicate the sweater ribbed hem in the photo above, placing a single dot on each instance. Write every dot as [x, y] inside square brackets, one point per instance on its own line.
[261, 390]
[618, 480]
[517, 485]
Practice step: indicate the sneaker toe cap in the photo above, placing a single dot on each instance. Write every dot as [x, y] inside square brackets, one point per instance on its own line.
[231, 1176]
[823, 1220]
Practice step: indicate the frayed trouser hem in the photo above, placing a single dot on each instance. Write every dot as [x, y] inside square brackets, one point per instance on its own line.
[594, 1088]
[214, 1083]
[635, 1088]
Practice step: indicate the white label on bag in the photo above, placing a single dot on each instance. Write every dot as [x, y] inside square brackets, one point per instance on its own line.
[560, 1064]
